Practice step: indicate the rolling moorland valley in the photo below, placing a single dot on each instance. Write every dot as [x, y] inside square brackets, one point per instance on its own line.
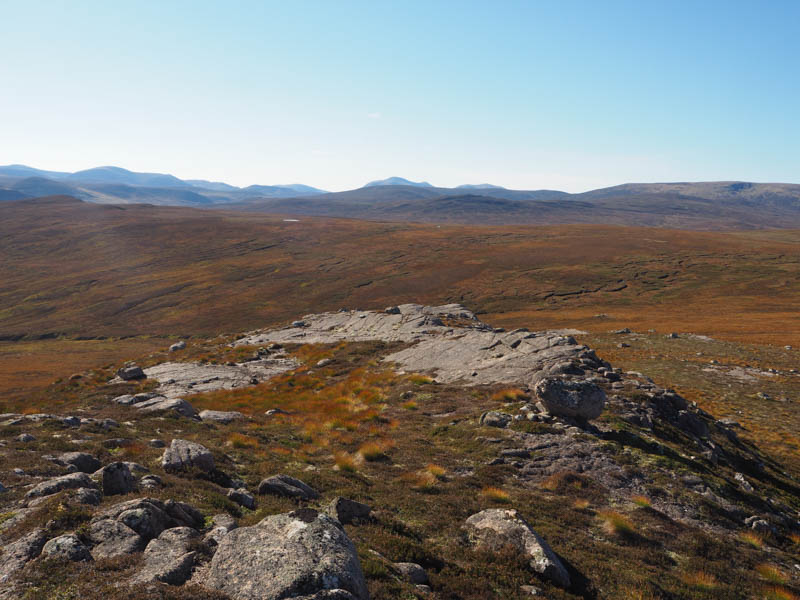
[526, 325]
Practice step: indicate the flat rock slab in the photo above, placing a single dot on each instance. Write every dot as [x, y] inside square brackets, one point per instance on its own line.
[449, 340]
[179, 379]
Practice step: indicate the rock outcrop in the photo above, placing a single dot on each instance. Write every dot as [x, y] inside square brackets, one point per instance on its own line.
[284, 485]
[182, 454]
[251, 562]
[495, 528]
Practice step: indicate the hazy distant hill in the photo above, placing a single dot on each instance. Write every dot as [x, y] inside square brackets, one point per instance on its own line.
[114, 185]
[397, 181]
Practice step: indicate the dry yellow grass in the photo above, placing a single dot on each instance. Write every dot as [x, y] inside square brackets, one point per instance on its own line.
[615, 523]
[496, 494]
[771, 573]
[753, 539]
[701, 580]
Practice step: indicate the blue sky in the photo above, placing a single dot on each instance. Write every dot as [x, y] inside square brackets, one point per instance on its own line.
[564, 95]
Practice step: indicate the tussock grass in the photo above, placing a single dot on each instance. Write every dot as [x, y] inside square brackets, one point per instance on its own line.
[779, 593]
[509, 395]
[373, 451]
[418, 379]
[241, 441]
[581, 504]
[615, 523]
[410, 405]
[641, 501]
[753, 539]
[771, 573]
[701, 580]
[496, 494]
[345, 462]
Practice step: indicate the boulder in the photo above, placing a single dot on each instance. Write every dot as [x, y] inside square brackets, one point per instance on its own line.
[52, 486]
[116, 478]
[85, 463]
[111, 539]
[494, 418]
[347, 511]
[567, 398]
[131, 373]
[411, 572]
[67, 547]
[220, 416]
[159, 403]
[283, 485]
[496, 528]
[182, 454]
[25, 438]
[167, 558]
[177, 346]
[151, 482]
[15, 555]
[251, 562]
[243, 498]
[88, 496]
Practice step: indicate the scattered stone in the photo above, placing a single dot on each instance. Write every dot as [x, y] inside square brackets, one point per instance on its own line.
[88, 496]
[622, 331]
[151, 482]
[167, 558]
[672, 336]
[155, 443]
[243, 498]
[16, 554]
[275, 411]
[25, 438]
[515, 453]
[411, 572]
[159, 403]
[67, 547]
[112, 539]
[85, 463]
[131, 373]
[495, 418]
[117, 478]
[71, 421]
[177, 346]
[56, 484]
[495, 528]
[117, 443]
[220, 416]
[623, 345]
[182, 454]
[347, 511]
[746, 485]
[251, 562]
[566, 398]
[323, 363]
[283, 485]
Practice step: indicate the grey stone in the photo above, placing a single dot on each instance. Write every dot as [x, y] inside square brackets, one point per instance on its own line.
[67, 547]
[220, 416]
[25, 438]
[182, 454]
[112, 539]
[160, 403]
[495, 528]
[116, 478]
[284, 485]
[155, 443]
[64, 482]
[494, 418]
[411, 572]
[151, 482]
[167, 559]
[347, 511]
[88, 496]
[243, 498]
[85, 463]
[251, 562]
[177, 346]
[71, 421]
[16, 554]
[576, 399]
[131, 373]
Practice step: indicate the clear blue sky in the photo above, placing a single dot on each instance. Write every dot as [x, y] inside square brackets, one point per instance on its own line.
[566, 95]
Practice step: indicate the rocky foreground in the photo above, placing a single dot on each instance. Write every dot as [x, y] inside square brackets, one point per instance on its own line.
[157, 480]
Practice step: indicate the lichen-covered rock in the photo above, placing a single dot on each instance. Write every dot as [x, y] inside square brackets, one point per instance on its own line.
[116, 478]
[167, 558]
[243, 498]
[84, 462]
[64, 482]
[220, 416]
[496, 528]
[16, 554]
[495, 419]
[284, 485]
[251, 562]
[67, 547]
[131, 373]
[567, 398]
[347, 511]
[111, 539]
[182, 454]
[411, 572]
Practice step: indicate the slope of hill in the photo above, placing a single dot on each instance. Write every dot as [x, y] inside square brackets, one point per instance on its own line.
[397, 181]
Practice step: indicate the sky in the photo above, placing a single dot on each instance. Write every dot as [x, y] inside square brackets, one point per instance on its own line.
[529, 95]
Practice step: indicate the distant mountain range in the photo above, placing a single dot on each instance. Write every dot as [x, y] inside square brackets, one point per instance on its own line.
[112, 185]
[703, 205]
